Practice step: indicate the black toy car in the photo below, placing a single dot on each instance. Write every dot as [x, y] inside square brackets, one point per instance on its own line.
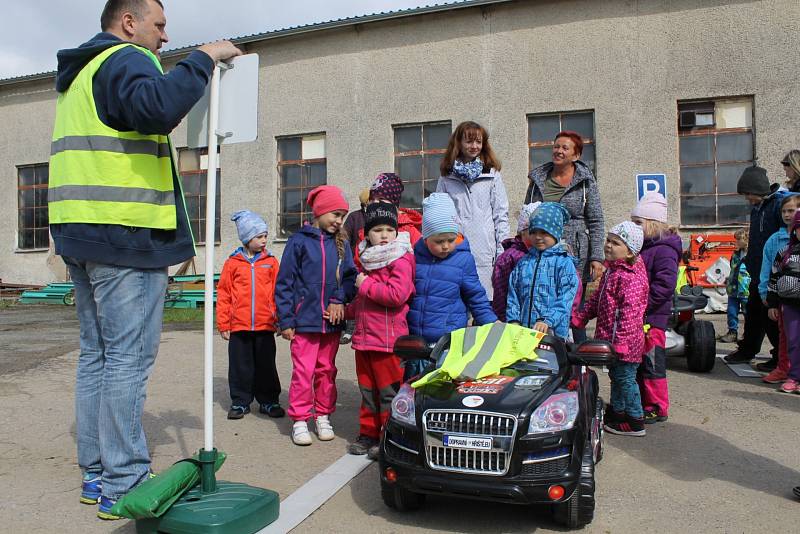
[531, 435]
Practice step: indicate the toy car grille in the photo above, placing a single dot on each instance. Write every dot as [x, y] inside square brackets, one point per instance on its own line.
[485, 424]
[546, 468]
[496, 461]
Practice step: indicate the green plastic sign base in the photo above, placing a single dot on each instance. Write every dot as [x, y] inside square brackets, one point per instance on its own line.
[234, 508]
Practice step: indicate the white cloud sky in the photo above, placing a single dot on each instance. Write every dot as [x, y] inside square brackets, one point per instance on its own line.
[33, 30]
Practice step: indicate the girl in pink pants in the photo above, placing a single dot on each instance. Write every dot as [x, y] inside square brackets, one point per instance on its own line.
[316, 278]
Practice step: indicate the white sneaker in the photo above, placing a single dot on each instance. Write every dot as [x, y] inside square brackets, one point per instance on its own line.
[300, 434]
[324, 428]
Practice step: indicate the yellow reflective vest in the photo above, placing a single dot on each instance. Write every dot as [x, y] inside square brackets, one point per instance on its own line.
[100, 175]
[480, 351]
[683, 279]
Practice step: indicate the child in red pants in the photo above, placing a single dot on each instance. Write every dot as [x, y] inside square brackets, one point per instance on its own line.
[380, 311]
[316, 279]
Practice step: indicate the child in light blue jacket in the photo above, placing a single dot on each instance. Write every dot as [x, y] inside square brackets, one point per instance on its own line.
[544, 283]
[777, 241]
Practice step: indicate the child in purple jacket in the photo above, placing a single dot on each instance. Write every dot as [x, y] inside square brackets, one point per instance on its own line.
[515, 249]
[619, 305]
[661, 253]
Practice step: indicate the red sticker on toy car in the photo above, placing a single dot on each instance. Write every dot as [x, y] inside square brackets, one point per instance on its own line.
[485, 386]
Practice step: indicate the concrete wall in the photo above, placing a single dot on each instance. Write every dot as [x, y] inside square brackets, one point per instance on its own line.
[629, 61]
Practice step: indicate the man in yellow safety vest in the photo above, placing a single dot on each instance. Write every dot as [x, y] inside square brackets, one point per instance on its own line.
[118, 219]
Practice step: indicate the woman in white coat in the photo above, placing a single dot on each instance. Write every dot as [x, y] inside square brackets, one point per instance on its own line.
[471, 176]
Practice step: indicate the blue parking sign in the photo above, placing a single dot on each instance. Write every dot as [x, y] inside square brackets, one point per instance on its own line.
[650, 183]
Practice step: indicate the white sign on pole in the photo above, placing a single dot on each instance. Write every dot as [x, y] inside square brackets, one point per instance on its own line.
[238, 106]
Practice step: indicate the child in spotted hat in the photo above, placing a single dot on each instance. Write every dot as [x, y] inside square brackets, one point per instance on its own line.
[543, 285]
[515, 249]
[619, 305]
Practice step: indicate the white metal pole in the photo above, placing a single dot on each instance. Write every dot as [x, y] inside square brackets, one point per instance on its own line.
[211, 201]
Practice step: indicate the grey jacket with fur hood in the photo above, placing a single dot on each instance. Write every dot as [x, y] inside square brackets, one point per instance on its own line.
[585, 232]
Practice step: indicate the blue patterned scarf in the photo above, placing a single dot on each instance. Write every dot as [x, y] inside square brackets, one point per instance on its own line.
[468, 172]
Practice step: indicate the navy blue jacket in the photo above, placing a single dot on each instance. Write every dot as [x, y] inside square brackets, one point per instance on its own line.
[131, 94]
[765, 220]
[307, 280]
[445, 289]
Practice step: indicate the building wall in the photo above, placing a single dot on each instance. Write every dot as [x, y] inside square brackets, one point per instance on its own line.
[629, 61]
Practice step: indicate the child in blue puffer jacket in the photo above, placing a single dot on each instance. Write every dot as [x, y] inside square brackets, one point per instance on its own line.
[446, 281]
[544, 283]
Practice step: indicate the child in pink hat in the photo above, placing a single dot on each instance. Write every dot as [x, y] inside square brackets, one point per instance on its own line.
[661, 252]
[316, 279]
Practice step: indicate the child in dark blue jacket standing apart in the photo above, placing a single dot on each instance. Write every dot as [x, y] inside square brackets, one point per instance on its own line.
[316, 278]
[446, 281]
[544, 282]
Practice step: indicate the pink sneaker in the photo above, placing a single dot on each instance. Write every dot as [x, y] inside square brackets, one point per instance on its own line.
[790, 386]
[776, 377]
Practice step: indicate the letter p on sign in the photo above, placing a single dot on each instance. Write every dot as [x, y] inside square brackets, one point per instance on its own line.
[650, 183]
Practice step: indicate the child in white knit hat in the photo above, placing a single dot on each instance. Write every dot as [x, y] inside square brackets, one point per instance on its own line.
[619, 305]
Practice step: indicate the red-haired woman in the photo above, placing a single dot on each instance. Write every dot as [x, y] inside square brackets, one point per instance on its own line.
[471, 176]
[569, 181]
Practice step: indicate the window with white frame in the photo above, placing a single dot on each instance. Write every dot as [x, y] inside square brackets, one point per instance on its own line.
[716, 140]
[193, 166]
[33, 225]
[302, 166]
[418, 152]
[543, 128]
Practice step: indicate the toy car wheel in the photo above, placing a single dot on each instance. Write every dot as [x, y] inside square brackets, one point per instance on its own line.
[400, 498]
[701, 350]
[69, 298]
[579, 509]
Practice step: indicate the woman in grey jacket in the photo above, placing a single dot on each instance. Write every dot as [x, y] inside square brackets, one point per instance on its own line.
[569, 181]
[471, 176]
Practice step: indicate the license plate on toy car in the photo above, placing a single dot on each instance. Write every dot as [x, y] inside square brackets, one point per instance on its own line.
[463, 442]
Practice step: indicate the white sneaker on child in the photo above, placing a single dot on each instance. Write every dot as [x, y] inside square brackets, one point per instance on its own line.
[324, 428]
[300, 434]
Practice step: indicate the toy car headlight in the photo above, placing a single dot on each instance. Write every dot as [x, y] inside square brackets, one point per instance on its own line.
[557, 413]
[403, 406]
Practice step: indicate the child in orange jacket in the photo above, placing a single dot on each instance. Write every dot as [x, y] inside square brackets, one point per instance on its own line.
[247, 318]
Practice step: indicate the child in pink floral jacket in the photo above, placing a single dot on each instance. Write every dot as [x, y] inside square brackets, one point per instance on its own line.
[619, 305]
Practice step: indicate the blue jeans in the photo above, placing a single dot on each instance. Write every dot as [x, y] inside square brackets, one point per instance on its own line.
[734, 305]
[625, 396]
[120, 311]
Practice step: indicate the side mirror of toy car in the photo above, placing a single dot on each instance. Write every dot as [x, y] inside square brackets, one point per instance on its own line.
[594, 352]
[412, 348]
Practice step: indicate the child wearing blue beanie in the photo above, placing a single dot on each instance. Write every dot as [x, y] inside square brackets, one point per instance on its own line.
[247, 319]
[544, 283]
[446, 280]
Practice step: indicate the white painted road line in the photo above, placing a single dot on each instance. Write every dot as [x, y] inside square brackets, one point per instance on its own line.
[314, 493]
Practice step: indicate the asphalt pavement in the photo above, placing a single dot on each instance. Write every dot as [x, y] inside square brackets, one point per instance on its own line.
[724, 462]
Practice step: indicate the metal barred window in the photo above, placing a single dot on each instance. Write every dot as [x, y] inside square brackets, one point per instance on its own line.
[33, 225]
[193, 167]
[543, 127]
[418, 153]
[716, 144]
[302, 166]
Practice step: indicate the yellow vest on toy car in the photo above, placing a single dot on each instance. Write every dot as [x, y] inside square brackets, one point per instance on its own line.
[480, 351]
